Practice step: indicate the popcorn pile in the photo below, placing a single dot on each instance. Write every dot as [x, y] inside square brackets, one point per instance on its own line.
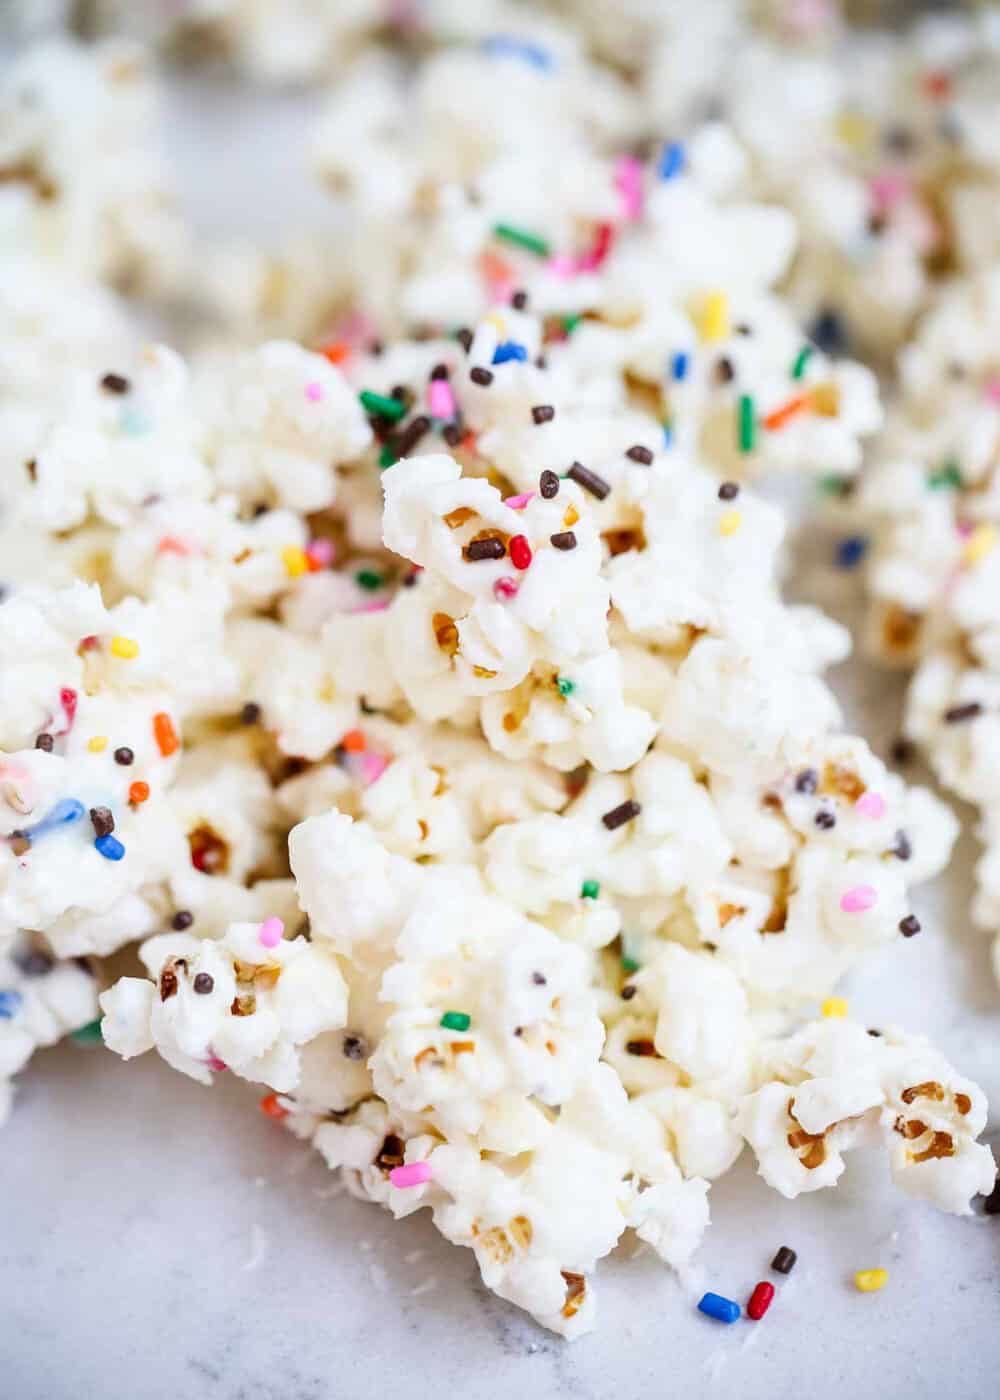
[427, 708]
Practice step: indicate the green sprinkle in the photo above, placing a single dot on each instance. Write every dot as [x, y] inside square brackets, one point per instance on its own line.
[522, 238]
[748, 424]
[383, 405]
[563, 685]
[801, 360]
[90, 1034]
[369, 580]
[570, 323]
[629, 964]
[455, 1021]
[590, 889]
[834, 485]
[949, 475]
[387, 457]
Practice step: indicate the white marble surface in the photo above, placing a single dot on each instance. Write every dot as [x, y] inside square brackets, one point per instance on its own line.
[162, 1241]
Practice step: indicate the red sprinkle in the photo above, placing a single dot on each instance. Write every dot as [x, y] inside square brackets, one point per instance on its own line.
[505, 588]
[271, 1108]
[600, 248]
[68, 698]
[353, 741]
[937, 84]
[760, 1300]
[520, 551]
[90, 643]
[165, 734]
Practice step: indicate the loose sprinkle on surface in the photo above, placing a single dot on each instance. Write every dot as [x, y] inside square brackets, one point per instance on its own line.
[760, 1300]
[720, 1309]
[784, 1261]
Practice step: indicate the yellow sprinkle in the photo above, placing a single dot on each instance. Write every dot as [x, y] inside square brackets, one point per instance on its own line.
[124, 647]
[835, 1007]
[715, 317]
[870, 1280]
[294, 560]
[495, 319]
[98, 743]
[730, 522]
[852, 129]
[979, 544]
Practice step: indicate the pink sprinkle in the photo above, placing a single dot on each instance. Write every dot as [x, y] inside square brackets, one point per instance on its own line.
[413, 1174]
[440, 399]
[170, 544]
[379, 605]
[628, 182]
[518, 502]
[505, 588]
[314, 392]
[963, 528]
[90, 643]
[372, 765]
[321, 552]
[563, 265]
[888, 189]
[271, 931]
[871, 804]
[993, 389]
[215, 1063]
[858, 899]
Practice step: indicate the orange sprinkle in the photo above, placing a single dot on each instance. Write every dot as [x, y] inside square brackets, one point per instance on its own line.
[165, 734]
[353, 741]
[271, 1108]
[138, 792]
[170, 544]
[494, 268]
[337, 352]
[788, 410]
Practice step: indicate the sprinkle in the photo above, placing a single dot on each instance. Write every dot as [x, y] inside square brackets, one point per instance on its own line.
[369, 580]
[593, 258]
[801, 360]
[870, 1280]
[337, 352]
[382, 405]
[320, 553]
[68, 700]
[271, 932]
[133, 422]
[411, 434]
[721, 1309]
[645, 1049]
[784, 1261]
[353, 741]
[871, 804]
[548, 485]
[590, 889]
[124, 756]
[807, 780]
[102, 821]
[90, 1034]
[902, 847]
[44, 742]
[455, 1021]
[728, 491]
[714, 323]
[834, 1008]
[215, 1064]
[778, 417]
[958, 713]
[521, 238]
[828, 332]
[165, 734]
[271, 1107]
[570, 323]
[295, 561]
[980, 543]
[115, 384]
[730, 522]
[387, 457]
[109, 847]
[10, 1002]
[441, 399]
[182, 919]
[909, 926]
[542, 413]
[679, 364]
[314, 392]
[640, 454]
[671, 162]
[519, 300]
[564, 685]
[760, 1300]
[508, 46]
[747, 424]
[250, 713]
[628, 183]
[478, 375]
[520, 551]
[519, 502]
[373, 765]
[97, 744]
[947, 476]
[508, 350]
[825, 820]
[565, 539]
[618, 816]
[204, 983]
[835, 485]
[505, 588]
[124, 647]
[850, 551]
[490, 548]
[858, 899]
[589, 480]
[412, 1174]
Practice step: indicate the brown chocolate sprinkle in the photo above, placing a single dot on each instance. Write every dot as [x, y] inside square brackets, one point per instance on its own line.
[640, 454]
[102, 820]
[618, 816]
[44, 742]
[909, 926]
[439, 372]
[548, 485]
[958, 713]
[629, 991]
[168, 983]
[542, 413]
[464, 338]
[481, 376]
[412, 434]
[724, 370]
[490, 548]
[645, 1048]
[589, 480]
[452, 434]
[825, 820]
[784, 1261]
[728, 491]
[250, 713]
[565, 539]
[115, 384]
[902, 847]
[182, 919]
[124, 756]
[204, 983]
[519, 300]
[807, 780]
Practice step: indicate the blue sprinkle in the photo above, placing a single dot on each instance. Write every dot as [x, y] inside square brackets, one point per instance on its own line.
[851, 551]
[509, 350]
[671, 161]
[64, 812]
[509, 46]
[668, 435]
[10, 1003]
[679, 364]
[110, 847]
[722, 1309]
[133, 422]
